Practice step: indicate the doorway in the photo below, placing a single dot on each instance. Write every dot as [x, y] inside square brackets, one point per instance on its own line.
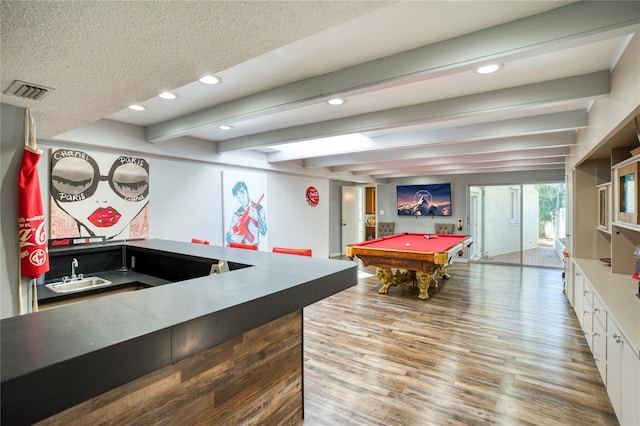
[352, 222]
[517, 224]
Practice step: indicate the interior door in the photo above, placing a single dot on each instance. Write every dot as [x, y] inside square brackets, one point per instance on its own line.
[472, 226]
[352, 216]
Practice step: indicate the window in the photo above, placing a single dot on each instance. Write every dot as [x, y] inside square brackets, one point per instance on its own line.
[514, 216]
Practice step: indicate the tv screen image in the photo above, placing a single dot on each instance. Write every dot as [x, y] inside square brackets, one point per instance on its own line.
[424, 200]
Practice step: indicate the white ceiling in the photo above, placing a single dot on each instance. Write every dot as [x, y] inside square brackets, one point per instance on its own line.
[405, 69]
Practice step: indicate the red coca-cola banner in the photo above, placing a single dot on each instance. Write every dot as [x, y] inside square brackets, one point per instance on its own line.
[34, 258]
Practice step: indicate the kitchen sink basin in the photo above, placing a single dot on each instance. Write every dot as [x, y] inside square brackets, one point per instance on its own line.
[87, 283]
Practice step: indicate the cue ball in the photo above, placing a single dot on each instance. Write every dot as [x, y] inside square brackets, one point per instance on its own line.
[407, 244]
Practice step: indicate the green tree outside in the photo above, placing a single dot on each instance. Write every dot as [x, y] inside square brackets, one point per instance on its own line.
[552, 198]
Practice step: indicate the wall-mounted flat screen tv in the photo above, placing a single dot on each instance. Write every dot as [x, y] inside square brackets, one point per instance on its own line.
[424, 200]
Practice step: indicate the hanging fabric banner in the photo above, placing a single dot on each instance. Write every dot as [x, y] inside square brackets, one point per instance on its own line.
[34, 257]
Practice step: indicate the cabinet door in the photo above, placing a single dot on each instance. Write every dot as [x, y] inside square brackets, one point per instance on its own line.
[578, 298]
[600, 348]
[587, 312]
[630, 386]
[370, 200]
[568, 282]
[614, 355]
[600, 336]
[623, 377]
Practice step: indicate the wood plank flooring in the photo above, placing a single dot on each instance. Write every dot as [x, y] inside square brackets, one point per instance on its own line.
[495, 344]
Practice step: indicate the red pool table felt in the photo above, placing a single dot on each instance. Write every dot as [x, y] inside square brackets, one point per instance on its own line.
[417, 242]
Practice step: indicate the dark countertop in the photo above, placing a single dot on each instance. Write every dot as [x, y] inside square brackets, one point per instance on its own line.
[56, 358]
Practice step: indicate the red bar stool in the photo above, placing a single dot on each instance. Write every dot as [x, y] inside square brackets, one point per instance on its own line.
[296, 251]
[243, 246]
[198, 241]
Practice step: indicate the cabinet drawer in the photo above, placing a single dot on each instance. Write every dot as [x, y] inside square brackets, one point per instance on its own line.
[601, 363]
[587, 293]
[600, 349]
[599, 336]
[599, 313]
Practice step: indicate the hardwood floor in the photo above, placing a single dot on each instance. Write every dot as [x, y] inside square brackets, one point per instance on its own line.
[494, 344]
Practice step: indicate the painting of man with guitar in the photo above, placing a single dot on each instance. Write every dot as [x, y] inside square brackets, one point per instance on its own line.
[249, 221]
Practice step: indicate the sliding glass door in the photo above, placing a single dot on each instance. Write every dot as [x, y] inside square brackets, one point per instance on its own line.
[516, 224]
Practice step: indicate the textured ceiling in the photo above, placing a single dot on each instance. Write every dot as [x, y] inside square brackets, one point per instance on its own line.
[405, 68]
[101, 56]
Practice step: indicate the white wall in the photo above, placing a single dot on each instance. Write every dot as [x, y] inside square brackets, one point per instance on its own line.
[11, 148]
[185, 201]
[503, 236]
[292, 221]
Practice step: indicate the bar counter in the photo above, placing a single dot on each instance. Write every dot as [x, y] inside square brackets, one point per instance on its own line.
[58, 359]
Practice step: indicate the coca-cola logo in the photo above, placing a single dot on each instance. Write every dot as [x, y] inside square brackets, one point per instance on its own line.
[30, 235]
[38, 257]
[313, 197]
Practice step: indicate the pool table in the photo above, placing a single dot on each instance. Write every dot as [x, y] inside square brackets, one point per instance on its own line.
[421, 256]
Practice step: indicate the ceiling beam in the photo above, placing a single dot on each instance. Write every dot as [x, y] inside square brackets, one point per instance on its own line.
[363, 169]
[546, 32]
[473, 165]
[461, 170]
[544, 123]
[587, 86]
[550, 140]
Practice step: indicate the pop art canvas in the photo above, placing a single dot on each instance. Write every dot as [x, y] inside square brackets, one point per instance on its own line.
[245, 208]
[98, 195]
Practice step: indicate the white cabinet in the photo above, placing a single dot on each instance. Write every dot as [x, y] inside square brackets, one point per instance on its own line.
[623, 377]
[587, 312]
[569, 280]
[599, 337]
[578, 299]
[617, 359]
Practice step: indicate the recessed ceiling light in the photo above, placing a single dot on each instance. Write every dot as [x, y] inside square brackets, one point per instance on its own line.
[168, 95]
[137, 107]
[488, 69]
[210, 79]
[336, 101]
[225, 127]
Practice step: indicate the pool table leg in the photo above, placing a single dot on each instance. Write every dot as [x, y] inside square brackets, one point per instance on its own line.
[425, 280]
[443, 272]
[386, 277]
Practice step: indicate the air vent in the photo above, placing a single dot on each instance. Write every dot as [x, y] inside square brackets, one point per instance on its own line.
[26, 90]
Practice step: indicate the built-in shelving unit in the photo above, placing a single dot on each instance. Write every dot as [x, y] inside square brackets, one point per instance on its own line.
[604, 194]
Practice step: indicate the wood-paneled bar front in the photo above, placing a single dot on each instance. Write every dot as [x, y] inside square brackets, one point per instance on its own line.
[223, 348]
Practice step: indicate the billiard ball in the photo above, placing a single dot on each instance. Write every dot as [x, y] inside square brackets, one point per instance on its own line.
[407, 244]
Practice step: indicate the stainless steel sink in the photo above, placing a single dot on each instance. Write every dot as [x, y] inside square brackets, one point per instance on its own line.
[87, 283]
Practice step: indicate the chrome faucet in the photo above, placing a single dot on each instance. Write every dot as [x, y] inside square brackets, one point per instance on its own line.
[74, 265]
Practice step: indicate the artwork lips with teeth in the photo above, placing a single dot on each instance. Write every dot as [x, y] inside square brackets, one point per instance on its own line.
[103, 198]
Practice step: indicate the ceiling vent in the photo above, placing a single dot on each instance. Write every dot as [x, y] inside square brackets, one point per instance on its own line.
[26, 90]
